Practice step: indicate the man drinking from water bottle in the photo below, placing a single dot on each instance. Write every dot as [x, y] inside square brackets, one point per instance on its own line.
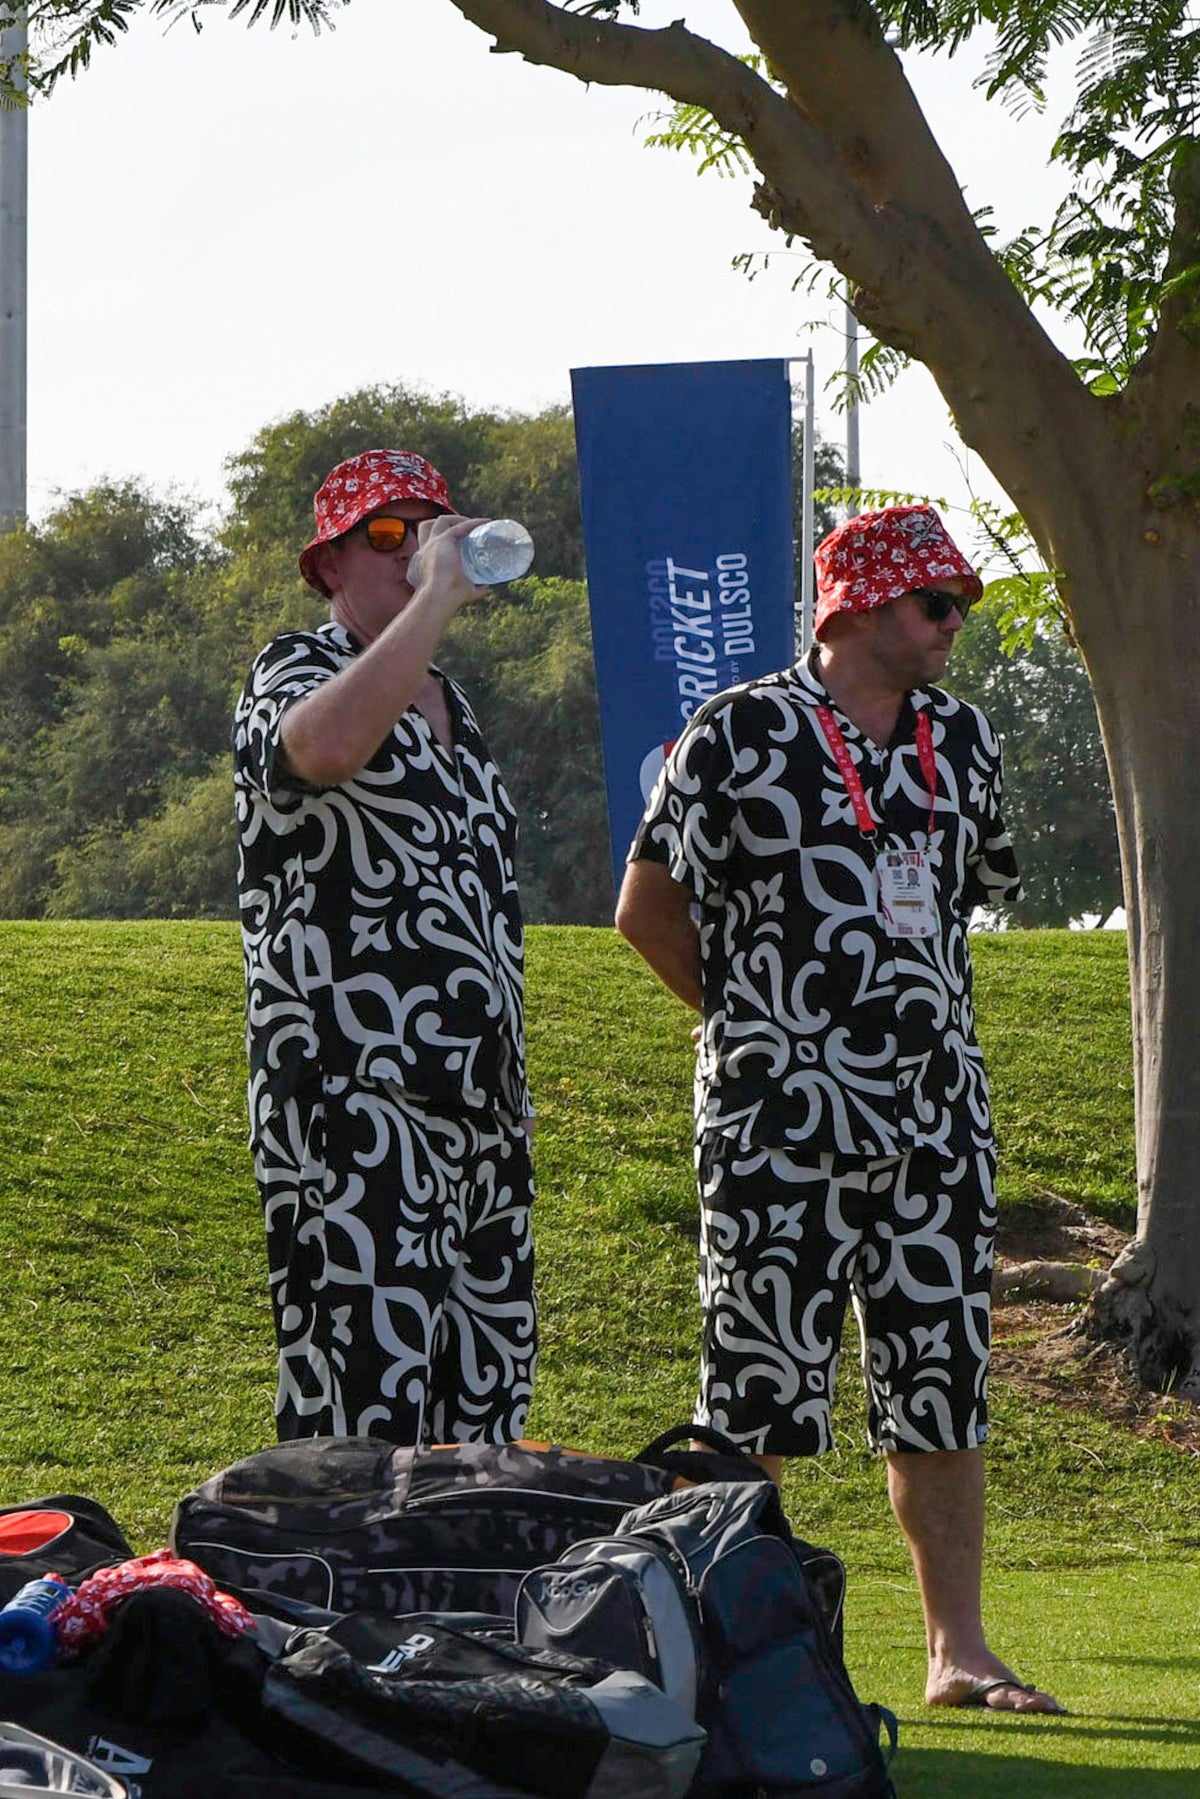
[389, 1110]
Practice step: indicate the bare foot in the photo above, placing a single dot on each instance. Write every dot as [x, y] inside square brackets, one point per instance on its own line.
[998, 1691]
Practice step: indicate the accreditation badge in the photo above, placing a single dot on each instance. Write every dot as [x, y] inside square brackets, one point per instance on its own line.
[907, 906]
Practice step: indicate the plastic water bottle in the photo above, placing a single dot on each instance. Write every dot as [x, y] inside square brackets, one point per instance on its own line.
[27, 1641]
[500, 549]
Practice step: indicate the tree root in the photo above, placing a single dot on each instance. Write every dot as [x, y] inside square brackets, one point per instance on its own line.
[1157, 1333]
[1060, 1282]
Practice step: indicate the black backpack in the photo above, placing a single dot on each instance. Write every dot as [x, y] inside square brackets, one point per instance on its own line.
[707, 1592]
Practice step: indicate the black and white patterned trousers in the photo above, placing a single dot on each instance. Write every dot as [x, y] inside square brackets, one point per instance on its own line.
[786, 1241]
[401, 1265]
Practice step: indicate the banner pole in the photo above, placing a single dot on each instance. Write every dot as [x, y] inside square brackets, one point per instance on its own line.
[806, 537]
[14, 280]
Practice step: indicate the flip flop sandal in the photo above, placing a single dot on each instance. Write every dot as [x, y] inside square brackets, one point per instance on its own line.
[977, 1695]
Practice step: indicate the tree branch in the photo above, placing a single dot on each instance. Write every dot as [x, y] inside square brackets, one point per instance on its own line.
[842, 73]
[677, 62]
[850, 166]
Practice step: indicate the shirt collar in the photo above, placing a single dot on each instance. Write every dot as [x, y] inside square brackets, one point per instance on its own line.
[338, 634]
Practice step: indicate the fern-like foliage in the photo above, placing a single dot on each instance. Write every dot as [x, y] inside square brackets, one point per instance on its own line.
[1023, 592]
[878, 366]
[64, 33]
[694, 130]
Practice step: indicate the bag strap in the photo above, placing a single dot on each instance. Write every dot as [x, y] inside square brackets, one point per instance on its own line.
[694, 1464]
[880, 1715]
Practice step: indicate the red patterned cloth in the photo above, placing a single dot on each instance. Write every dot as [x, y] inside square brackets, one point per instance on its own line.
[880, 556]
[360, 484]
[86, 1614]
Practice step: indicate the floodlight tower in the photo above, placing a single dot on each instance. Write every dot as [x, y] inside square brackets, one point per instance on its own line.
[14, 280]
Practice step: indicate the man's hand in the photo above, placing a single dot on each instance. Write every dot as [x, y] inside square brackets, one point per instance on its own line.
[435, 573]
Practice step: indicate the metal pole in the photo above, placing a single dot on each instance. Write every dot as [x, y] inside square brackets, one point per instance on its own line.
[14, 285]
[806, 538]
[853, 470]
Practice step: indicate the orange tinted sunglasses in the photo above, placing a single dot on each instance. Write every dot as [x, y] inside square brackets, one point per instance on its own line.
[388, 534]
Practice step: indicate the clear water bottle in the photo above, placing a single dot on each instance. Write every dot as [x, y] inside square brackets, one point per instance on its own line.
[499, 550]
[27, 1641]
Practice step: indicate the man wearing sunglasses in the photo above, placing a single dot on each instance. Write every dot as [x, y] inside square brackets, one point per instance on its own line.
[389, 1111]
[804, 877]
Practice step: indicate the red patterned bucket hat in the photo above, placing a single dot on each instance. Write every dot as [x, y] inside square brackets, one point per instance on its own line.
[880, 556]
[360, 484]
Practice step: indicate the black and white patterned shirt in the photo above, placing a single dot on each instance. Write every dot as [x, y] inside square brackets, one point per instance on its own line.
[820, 1030]
[380, 920]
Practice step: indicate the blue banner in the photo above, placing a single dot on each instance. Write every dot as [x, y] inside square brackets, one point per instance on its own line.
[685, 478]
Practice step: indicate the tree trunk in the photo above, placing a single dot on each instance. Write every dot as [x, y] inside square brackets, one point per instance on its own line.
[1144, 661]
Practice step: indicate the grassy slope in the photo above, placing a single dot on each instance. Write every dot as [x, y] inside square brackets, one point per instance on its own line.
[137, 1342]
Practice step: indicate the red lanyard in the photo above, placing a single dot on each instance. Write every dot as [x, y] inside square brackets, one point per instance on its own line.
[850, 774]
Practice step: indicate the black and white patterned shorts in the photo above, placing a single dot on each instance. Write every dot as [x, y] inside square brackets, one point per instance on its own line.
[401, 1265]
[785, 1242]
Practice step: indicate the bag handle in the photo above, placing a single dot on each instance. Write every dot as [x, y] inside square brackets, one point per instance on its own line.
[659, 1453]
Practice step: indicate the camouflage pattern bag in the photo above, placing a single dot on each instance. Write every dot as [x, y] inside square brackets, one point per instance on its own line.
[351, 1524]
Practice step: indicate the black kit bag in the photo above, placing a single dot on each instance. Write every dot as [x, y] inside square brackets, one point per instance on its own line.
[66, 1534]
[458, 1716]
[708, 1592]
[357, 1524]
[171, 1708]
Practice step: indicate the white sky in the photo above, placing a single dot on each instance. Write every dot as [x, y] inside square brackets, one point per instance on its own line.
[227, 227]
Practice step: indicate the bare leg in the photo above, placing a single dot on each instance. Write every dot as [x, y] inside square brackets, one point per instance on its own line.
[938, 1502]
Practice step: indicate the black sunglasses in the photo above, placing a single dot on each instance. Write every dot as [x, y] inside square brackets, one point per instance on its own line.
[938, 606]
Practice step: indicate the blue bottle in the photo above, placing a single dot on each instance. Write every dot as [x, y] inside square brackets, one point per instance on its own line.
[27, 1641]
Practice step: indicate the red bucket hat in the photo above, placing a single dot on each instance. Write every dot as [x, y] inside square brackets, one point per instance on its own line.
[360, 484]
[879, 556]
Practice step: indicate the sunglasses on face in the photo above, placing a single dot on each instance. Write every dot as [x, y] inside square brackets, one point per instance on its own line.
[937, 606]
[388, 534]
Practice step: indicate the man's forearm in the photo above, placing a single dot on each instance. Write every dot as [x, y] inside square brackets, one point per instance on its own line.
[334, 731]
[654, 915]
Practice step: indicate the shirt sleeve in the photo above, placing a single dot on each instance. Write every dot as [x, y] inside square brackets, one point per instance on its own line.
[992, 873]
[290, 668]
[690, 821]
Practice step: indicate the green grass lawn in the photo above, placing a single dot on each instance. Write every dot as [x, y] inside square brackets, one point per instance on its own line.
[137, 1341]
